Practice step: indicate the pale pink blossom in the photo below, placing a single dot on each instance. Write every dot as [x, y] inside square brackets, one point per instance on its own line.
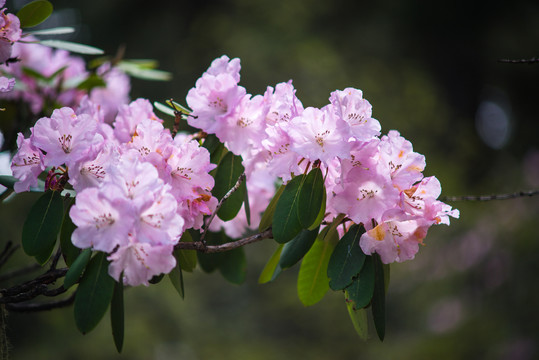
[26, 165]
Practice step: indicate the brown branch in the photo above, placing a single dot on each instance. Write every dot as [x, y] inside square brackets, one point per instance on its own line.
[491, 197]
[41, 306]
[33, 288]
[202, 247]
[520, 61]
[236, 186]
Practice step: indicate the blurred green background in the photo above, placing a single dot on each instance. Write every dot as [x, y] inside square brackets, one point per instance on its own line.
[431, 71]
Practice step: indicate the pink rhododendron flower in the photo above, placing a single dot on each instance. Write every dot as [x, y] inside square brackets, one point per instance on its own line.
[139, 262]
[26, 165]
[10, 32]
[6, 84]
[114, 94]
[129, 116]
[104, 218]
[318, 135]
[396, 238]
[67, 138]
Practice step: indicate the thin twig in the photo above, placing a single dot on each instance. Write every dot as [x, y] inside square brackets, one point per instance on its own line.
[236, 186]
[55, 259]
[32, 307]
[33, 288]
[520, 61]
[9, 250]
[202, 247]
[491, 197]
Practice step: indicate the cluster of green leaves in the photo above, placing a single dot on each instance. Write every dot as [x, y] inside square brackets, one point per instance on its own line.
[295, 215]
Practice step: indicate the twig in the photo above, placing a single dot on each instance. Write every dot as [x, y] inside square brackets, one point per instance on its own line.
[41, 307]
[202, 247]
[490, 197]
[55, 259]
[227, 195]
[520, 61]
[9, 250]
[33, 288]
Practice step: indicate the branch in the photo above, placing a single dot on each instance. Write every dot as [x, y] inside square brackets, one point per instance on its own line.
[41, 307]
[33, 288]
[490, 197]
[227, 195]
[520, 61]
[202, 247]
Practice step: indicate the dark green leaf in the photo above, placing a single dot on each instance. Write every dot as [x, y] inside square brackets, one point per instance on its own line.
[215, 147]
[210, 262]
[117, 315]
[311, 198]
[269, 270]
[34, 13]
[76, 269]
[362, 288]
[176, 278]
[379, 298]
[34, 74]
[91, 82]
[69, 251]
[321, 214]
[72, 47]
[187, 259]
[94, 294]
[247, 208]
[139, 71]
[267, 217]
[42, 226]
[313, 282]
[359, 319]
[226, 176]
[295, 249]
[347, 259]
[233, 265]
[286, 224]
[156, 279]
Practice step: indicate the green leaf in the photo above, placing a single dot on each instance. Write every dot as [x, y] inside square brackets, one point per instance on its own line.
[53, 31]
[209, 262]
[267, 217]
[117, 315]
[76, 269]
[271, 266]
[136, 70]
[313, 282]
[42, 226]
[70, 252]
[91, 82]
[286, 224]
[233, 265]
[34, 74]
[179, 107]
[362, 288]
[359, 319]
[94, 294]
[379, 298]
[176, 278]
[164, 109]
[187, 259]
[311, 198]
[321, 214]
[156, 279]
[295, 249]
[347, 259]
[247, 207]
[72, 47]
[34, 13]
[228, 172]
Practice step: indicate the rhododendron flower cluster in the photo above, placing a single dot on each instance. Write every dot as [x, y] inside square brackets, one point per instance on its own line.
[375, 181]
[138, 188]
[10, 32]
[47, 76]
